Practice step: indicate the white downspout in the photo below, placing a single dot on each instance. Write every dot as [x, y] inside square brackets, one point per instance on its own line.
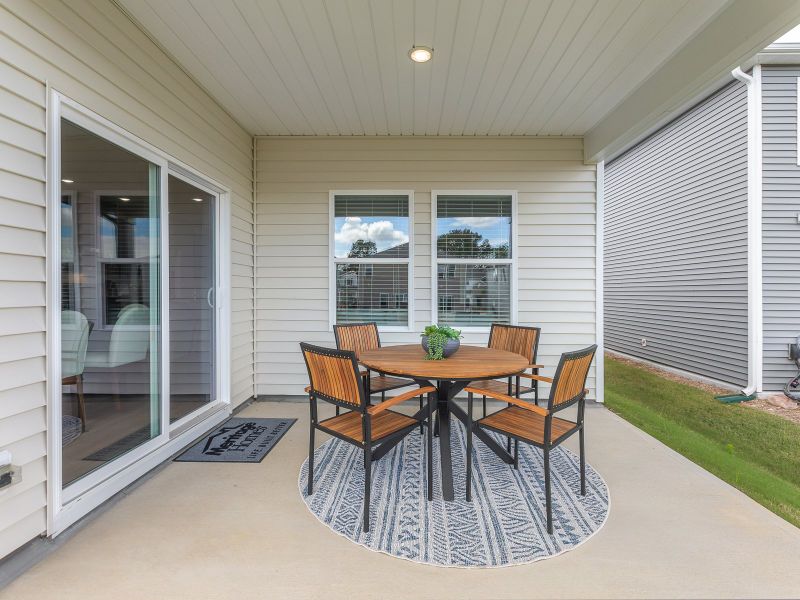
[755, 322]
[599, 360]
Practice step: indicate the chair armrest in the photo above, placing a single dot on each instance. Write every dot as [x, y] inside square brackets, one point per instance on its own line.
[510, 399]
[374, 410]
[308, 389]
[364, 373]
[535, 367]
[537, 377]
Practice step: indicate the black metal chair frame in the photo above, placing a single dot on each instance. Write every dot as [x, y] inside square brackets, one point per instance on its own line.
[373, 450]
[548, 442]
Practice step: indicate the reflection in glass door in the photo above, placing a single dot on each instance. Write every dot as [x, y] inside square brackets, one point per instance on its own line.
[110, 301]
[192, 297]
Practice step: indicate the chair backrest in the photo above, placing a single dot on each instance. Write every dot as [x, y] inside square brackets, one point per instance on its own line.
[569, 381]
[357, 336]
[517, 339]
[130, 337]
[74, 342]
[333, 375]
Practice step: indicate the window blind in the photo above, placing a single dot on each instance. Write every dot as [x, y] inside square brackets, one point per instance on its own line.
[370, 206]
[473, 227]
[474, 295]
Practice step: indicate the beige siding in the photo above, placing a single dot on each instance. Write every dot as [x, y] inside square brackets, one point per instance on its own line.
[92, 53]
[294, 176]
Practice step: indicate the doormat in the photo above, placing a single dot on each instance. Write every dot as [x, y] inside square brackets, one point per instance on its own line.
[122, 445]
[238, 440]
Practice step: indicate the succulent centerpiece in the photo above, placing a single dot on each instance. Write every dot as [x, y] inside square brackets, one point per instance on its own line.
[440, 342]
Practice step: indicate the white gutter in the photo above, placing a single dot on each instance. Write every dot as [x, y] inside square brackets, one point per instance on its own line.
[755, 321]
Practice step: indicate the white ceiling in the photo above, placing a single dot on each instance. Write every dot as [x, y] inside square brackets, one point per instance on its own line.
[500, 67]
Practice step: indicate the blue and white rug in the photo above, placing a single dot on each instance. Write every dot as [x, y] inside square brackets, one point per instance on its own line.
[505, 524]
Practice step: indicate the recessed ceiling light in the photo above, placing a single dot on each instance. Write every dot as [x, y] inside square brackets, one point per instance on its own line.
[67, 181]
[420, 54]
[197, 199]
[125, 199]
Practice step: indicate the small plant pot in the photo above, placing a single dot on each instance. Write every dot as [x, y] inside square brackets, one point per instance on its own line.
[450, 346]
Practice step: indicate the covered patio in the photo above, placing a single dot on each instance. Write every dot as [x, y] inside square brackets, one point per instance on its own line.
[190, 190]
[674, 531]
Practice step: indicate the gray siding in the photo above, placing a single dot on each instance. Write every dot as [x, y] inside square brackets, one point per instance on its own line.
[781, 197]
[676, 242]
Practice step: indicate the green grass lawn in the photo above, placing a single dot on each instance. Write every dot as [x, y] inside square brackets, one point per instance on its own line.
[755, 452]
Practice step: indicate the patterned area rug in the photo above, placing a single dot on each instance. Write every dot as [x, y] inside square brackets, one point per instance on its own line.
[504, 525]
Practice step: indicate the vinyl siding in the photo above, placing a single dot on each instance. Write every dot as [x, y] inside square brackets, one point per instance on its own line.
[676, 242]
[92, 53]
[556, 234]
[781, 233]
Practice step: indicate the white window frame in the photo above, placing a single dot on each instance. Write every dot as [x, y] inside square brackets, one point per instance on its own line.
[436, 261]
[66, 505]
[333, 261]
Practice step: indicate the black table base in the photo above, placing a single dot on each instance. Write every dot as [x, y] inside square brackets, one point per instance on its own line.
[446, 406]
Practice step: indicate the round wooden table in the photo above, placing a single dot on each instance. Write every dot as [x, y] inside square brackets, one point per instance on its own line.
[450, 376]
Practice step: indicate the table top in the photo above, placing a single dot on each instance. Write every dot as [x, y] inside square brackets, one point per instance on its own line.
[469, 363]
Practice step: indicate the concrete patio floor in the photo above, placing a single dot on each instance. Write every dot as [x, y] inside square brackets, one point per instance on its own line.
[204, 530]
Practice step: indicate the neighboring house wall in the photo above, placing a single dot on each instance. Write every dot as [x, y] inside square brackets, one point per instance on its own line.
[676, 242]
[556, 234]
[781, 233]
[92, 53]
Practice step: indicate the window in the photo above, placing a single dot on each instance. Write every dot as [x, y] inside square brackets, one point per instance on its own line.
[69, 253]
[474, 258]
[371, 257]
[124, 252]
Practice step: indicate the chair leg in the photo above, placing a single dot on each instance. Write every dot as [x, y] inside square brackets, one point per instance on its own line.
[337, 410]
[421, 427]
[430, 447]
[508, 444]
[367, 478]
[81, 402]
[516, 454]
[583, 462]
[548, 500]
[484, 407]
[311, 460]
[383, 396]
[469, 447]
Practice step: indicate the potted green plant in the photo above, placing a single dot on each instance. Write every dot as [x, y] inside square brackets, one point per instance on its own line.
[440, 342]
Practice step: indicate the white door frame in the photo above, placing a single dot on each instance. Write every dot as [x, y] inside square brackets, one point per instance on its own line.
[221, 308]
[65, 506]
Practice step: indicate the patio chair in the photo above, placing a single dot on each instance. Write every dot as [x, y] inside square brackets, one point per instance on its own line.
[364, 336]
[334, 377]
[520, 340]
[536, 425]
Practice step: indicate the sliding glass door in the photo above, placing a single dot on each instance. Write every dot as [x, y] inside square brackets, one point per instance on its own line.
[110, 302]
[138, 324]
[192, 297]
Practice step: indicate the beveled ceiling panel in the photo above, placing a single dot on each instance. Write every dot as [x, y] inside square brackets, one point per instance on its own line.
[500, 67]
